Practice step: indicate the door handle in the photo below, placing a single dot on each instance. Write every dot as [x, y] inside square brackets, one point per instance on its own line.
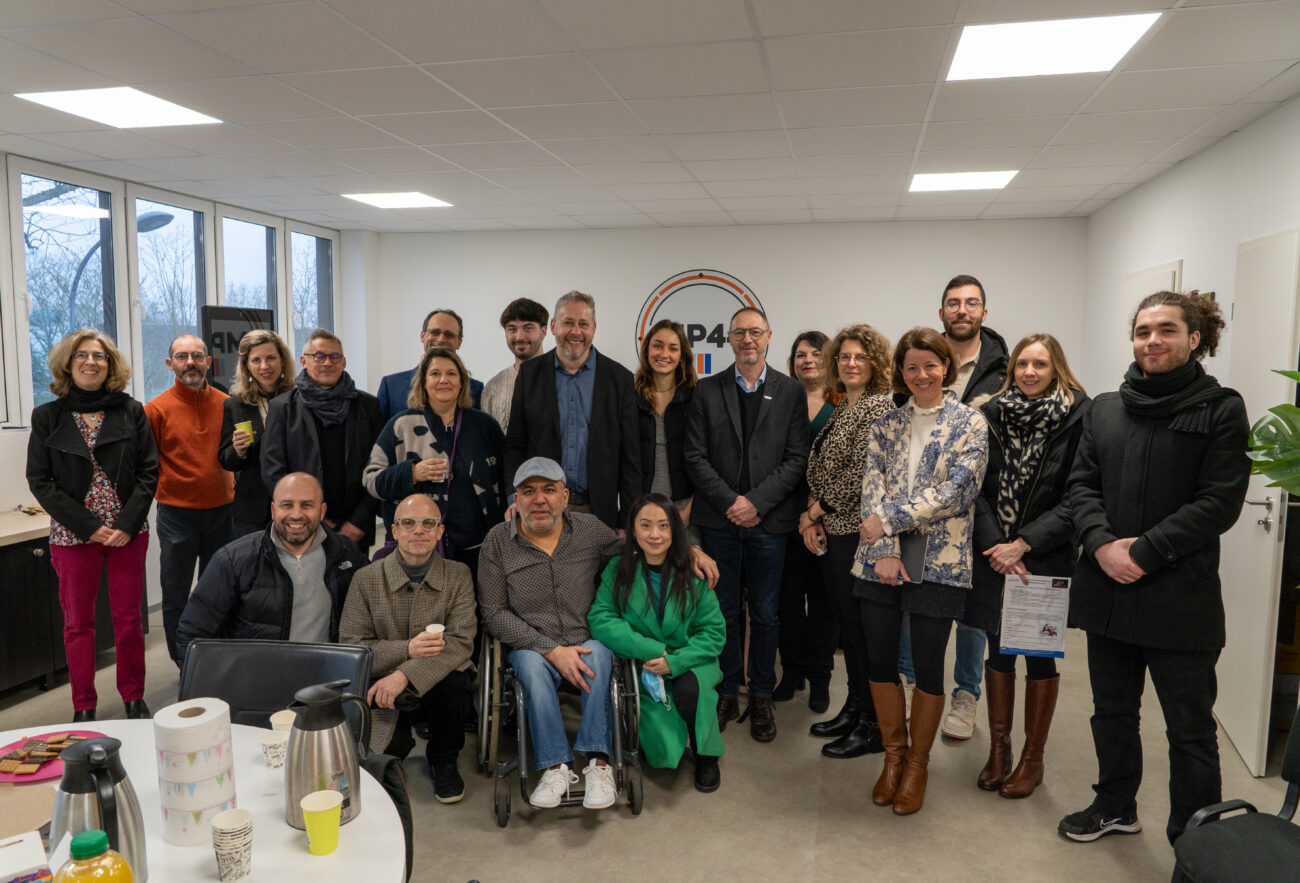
[1267, 503]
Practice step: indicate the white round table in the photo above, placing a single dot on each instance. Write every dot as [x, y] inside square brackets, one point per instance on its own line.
[372, 846]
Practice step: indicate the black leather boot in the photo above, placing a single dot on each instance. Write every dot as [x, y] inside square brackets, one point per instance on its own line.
[85, 715]
[791, 682]
[819, 695]
[137, 710]
[841, 723]
[864, 738]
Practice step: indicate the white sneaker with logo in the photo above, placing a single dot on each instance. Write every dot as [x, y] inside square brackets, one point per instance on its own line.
[960, 722]
[601, 791]
[553, 787]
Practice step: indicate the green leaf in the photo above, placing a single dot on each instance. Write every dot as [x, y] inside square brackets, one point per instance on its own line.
[1290, 375]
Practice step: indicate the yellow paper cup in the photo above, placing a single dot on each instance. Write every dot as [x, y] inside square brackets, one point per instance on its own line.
[245, 426]
[321, 811]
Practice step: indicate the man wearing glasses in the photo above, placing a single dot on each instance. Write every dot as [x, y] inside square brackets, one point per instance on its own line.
[194, 494]
[442, 327]
[746, 452]
[415, 610]
[326, 427]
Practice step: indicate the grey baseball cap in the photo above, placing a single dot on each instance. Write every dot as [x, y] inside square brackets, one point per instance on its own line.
[539, 467]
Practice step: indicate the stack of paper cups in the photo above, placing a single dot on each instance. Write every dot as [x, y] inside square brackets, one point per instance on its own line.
[196, 773]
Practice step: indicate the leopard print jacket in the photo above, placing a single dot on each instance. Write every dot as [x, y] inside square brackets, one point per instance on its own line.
[838, 457]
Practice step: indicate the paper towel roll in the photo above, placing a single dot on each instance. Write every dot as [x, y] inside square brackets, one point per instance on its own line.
[195, 768]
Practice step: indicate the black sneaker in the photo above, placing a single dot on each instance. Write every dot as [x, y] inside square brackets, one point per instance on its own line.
[448, 786]
[1089, 824]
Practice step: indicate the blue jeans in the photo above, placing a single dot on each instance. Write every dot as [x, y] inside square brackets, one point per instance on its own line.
[185, 536]
[754, 558]
[967, 667]
[541, 681]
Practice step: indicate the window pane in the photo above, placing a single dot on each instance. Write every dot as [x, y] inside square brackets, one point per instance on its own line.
[68, 251]
[172, 283]
[248, 256]
[313, 285]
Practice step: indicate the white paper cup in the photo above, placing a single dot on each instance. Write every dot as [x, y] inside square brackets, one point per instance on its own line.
[234, 862]
[232, 841]
[435, 628]
[275, 745]
[283, 720]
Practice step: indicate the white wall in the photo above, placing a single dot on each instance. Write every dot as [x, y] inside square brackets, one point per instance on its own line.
[1244, 187]
[824, 276]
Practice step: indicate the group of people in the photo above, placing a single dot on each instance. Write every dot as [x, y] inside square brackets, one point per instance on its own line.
[868, 500]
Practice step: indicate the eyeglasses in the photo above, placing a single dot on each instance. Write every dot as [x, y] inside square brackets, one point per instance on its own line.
[852, 359]
[189, 357]
[429, 524]
[751, 333]
[971, 303]
[89, 357]
[439, 334]
[322, 358]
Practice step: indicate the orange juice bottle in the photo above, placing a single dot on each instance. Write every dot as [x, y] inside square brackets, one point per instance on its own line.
[93, 860]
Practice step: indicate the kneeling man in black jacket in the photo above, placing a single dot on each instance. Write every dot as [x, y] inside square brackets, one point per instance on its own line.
[287, 582]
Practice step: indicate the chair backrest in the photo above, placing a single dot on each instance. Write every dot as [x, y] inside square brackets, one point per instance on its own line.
[257, 678]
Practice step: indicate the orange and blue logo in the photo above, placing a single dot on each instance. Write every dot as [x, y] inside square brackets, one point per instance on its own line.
[703, 301]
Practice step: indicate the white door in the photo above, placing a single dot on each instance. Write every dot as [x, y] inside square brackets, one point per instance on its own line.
[1264, 337]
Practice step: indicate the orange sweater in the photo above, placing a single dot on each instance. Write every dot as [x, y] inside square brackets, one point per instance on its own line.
[187, 430]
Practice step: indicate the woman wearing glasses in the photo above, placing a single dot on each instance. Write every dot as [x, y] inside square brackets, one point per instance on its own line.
[858, 371]
[442, 447]
[264, 371]
[92, 465]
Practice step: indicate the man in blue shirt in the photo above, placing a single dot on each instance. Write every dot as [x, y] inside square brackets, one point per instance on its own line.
[442, 327]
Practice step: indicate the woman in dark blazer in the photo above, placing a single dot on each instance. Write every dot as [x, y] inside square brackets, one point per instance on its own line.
[264, 371]
[1023, 526]
[92, 465]
[665, 382]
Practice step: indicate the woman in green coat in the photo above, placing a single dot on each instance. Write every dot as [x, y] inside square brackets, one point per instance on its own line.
[652, 609]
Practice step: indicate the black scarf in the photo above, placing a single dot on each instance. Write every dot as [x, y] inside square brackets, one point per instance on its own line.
[1186, 391]
[331, 405]
[88, 401]
[1028, 423]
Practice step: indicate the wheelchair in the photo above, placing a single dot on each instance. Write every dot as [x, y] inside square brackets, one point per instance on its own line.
[501, 706]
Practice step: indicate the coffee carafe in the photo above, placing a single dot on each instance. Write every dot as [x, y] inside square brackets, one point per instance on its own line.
[322, 754]
[95, 793]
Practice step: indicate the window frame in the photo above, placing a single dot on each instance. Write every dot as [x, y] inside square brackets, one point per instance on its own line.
[320, 233]
[251, 217]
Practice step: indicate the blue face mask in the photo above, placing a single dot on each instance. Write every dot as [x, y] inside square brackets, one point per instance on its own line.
[654, 686]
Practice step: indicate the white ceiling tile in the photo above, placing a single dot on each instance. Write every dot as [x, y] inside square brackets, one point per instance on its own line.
[131, 50]
[1088, 206]
[472, 198]
[1051, 194]
[197, 168]
[849, 165]
[1152, 125]
[56, 12]
[682, 190]
[266, 187]
[1014, 97]
[289, 38]
[951, 197]
[217, 140]
[974, 134]
[864, 58]
[711, 113]
[852, 200]
[692, 219]
[774, 187]
[613, 207]
[855, 139]
[585, 193]
[243, 99]
[859, 213]
[1280, 88]
[1115, 153]
[981, 11]
[546, 223]
[377, 90]
[496, 155]
[524, 82]
[879, 105]
[890, 185]
[600, 119]
[681, 206]
[328, 202]
[777, 17]
[1236, 117]
[518, 210]
[608, 24]
[115, 144]
[1116, 190]
[742, 169]
[676, 71]
[1223, 35]
[601, 221]
[1186, 87]
[293, 164]
[30, 118]
[626, 149]
[991, 160]
[937, 212]
[797, 216]
[1075, 175]
[350, 182]
[478, 224]
[383, 160]
[26, 70]
[1029, 209]
[453, 30]
[447, 182]
[1185, 148]
[636, 173]
[23, 146]
[538, 176]
[118, 169]
[1146, 172]
[338, 133]
[764, 203]
[727, 145]
[446, 127]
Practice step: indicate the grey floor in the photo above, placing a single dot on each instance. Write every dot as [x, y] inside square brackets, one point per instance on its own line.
[783, 813]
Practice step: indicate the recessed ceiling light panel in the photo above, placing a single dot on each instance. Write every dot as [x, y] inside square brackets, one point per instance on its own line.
[961, 181]
[398, 200]
[1042, 48]
[121, 107]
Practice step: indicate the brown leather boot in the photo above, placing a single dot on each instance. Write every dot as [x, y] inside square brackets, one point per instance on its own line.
[927, 711]
[1000, 690]
[1040, 705]
[888, 699]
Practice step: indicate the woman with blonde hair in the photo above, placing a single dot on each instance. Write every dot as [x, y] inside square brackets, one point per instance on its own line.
[92, 465]
[265, 370]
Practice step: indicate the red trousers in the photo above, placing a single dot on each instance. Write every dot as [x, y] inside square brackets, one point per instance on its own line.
[79, 569]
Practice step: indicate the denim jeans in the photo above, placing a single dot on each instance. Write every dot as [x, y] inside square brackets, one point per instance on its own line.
[753, 558]
[540, 682]
[967, 667]
[185, 536]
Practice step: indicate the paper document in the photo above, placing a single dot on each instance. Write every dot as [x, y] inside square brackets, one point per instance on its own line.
[1034, 616]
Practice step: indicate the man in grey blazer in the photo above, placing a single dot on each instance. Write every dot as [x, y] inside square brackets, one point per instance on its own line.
[746, 450]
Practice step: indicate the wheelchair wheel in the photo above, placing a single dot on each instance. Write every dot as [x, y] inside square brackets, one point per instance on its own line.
[635, 789]
[631, 706]
[501, 800]
[490, 714]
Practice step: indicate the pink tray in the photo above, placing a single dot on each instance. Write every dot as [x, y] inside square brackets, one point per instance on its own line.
[51, 770]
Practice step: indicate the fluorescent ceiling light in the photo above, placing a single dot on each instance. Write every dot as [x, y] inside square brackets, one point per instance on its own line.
[1040, 48]
[961, 181]
[398, 200]
[121, 107]
[67, 211]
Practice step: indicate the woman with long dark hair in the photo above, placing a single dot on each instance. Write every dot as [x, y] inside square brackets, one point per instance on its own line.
[651, 608]
[265, 370]
[92, 465]
[665, 381]
[1023, 526]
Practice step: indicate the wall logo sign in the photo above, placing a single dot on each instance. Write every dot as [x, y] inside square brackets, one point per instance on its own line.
[703, 301]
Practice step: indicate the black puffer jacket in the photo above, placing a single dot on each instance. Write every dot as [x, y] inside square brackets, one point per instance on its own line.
[991, 370]
[246, 593]
[1045, 522]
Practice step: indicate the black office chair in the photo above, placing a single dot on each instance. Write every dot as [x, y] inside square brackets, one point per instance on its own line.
[258, 678]
[1252, 847]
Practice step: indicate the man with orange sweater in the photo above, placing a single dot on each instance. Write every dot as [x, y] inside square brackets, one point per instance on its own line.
[194, 492]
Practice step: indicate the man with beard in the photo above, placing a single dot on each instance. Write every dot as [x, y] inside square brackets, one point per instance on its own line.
[746, 452]
[287, 582]
[326, 427]
[555, 400]
[1160, 475]
[524, 322]
[194, 494]
[442, 327]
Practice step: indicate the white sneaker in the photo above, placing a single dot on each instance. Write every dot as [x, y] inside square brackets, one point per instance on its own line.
[908, 687]
[960, 722]
[553, 787]
[601, 791]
